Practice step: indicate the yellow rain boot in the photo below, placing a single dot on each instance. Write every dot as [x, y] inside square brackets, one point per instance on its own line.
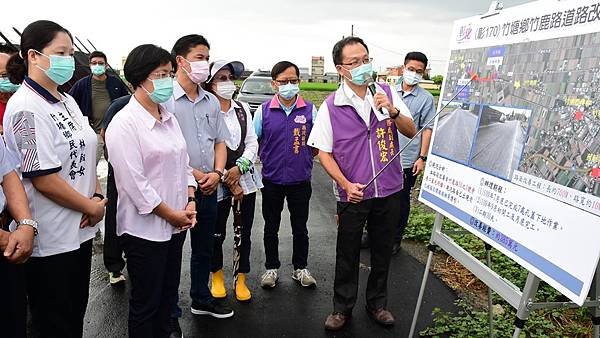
[242, 293]
[217, 287]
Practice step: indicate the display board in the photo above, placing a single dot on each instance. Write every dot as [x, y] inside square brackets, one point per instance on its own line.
[515, 158]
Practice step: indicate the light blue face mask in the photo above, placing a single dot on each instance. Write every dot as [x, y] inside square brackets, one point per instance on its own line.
[163, 90]
[98, 69]
[288, 91]
[359, 74]
[6, 86]
[61, 68]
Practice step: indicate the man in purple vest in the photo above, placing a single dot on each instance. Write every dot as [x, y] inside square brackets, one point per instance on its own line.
[283, 125]
[357, 135]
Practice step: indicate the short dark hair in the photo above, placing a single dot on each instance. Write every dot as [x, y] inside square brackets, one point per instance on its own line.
[416, 56]
[142, 60]
[185, 43]
[339, 46]
[37, 35]
[98, 54]
[8, 49]
[281, 66]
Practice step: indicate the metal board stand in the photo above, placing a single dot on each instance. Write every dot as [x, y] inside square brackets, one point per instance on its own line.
[522, 301]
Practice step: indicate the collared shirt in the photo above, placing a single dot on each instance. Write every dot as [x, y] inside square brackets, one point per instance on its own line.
[421, 105]
[8, 163]
[258, 113]
[321, 136]
[235, 131]
[151, 166]
[250, 181]
[201, 123]
[52, 136]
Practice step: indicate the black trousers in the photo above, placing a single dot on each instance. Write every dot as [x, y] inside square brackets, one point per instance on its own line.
[409, 183]
[58, 290]
[13, 308]
[223, 210]
[298, 198]
[154, 272]
[113, 251]
[382, 215]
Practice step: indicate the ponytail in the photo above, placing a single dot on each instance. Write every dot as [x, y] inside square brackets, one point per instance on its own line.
[16, 69]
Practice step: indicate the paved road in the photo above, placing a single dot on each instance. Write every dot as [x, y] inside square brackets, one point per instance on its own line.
[498, 148]
[288, 310]
[454, 135]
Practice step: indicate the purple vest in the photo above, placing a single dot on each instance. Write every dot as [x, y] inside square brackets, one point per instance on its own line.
[285, 156]
[362, 151]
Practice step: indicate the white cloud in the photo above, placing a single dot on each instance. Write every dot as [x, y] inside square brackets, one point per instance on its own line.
[258, 33]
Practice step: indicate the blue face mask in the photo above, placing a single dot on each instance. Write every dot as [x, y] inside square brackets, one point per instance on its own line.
[163, 90]
[6, 86]
[289, 90]
[61, 68]
[359, 74]
[98, 69]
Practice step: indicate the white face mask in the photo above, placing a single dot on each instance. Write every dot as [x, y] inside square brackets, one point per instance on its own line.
[411, 78]
[199, 71]
[226, 89]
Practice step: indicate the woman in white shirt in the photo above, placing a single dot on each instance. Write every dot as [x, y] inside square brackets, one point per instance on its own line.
[57, 154]
[156, 188]
[241, 179]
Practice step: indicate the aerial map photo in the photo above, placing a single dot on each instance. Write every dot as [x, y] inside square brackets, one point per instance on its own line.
[557, 84]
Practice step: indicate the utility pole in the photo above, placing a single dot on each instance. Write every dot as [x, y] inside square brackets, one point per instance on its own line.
[352, 31]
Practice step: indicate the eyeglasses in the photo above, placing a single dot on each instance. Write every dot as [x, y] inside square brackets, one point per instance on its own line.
[95, 63]
[418, 71]
[284, 82]
[162, 75]
[357, 63]
[224, 78]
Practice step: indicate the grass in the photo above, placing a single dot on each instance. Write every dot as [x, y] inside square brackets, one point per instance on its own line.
[470, 320]
[314, 86]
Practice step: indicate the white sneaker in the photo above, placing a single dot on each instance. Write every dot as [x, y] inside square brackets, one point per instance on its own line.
[269, 279]
[116, 278]
[304, 277]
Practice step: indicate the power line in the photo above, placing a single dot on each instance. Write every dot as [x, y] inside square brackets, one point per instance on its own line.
[400, 54]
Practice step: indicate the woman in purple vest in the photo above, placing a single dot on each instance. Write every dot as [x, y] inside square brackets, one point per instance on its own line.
[356, 133]
[283, 125]
[240, 181]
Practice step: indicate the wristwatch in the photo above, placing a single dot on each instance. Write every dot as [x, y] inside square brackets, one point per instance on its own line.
[397, 114]
[29, 222]
[191, 199]
[218, 172]
[100, 196]
[424, 158]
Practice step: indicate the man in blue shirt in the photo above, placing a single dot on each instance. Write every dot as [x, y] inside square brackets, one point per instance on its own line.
[421, 105]
[198, 113]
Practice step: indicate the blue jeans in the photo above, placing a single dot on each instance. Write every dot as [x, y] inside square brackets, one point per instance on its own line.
[202, 249]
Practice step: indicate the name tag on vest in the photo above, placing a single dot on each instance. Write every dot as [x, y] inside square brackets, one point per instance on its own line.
[300, 119]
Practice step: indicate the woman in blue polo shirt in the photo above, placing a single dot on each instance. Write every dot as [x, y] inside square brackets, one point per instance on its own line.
[57, 150]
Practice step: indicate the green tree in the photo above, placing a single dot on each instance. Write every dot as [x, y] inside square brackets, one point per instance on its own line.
[438, 79]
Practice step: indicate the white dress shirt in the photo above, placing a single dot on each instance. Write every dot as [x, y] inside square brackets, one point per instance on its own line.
[151, 165]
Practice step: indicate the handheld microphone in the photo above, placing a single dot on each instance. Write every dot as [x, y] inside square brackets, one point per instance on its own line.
[373, 90]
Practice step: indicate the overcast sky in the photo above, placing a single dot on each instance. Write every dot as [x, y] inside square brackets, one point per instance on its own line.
[258, 32]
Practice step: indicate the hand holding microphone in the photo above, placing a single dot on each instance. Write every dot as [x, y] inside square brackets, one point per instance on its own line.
[381, 101]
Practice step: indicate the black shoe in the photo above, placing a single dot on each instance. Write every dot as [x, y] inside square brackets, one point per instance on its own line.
[396, 248]
[175, 329]
[364, 241]
[213, 309]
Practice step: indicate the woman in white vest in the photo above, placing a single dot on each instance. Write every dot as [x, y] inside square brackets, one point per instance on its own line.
[57, 150]
[241, 179]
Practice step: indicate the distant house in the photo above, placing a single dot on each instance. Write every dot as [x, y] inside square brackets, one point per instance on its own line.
[331, 78]
[317, 65]
[304, 74]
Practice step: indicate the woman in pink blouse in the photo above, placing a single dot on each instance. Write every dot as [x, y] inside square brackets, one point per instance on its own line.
[155, 187]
